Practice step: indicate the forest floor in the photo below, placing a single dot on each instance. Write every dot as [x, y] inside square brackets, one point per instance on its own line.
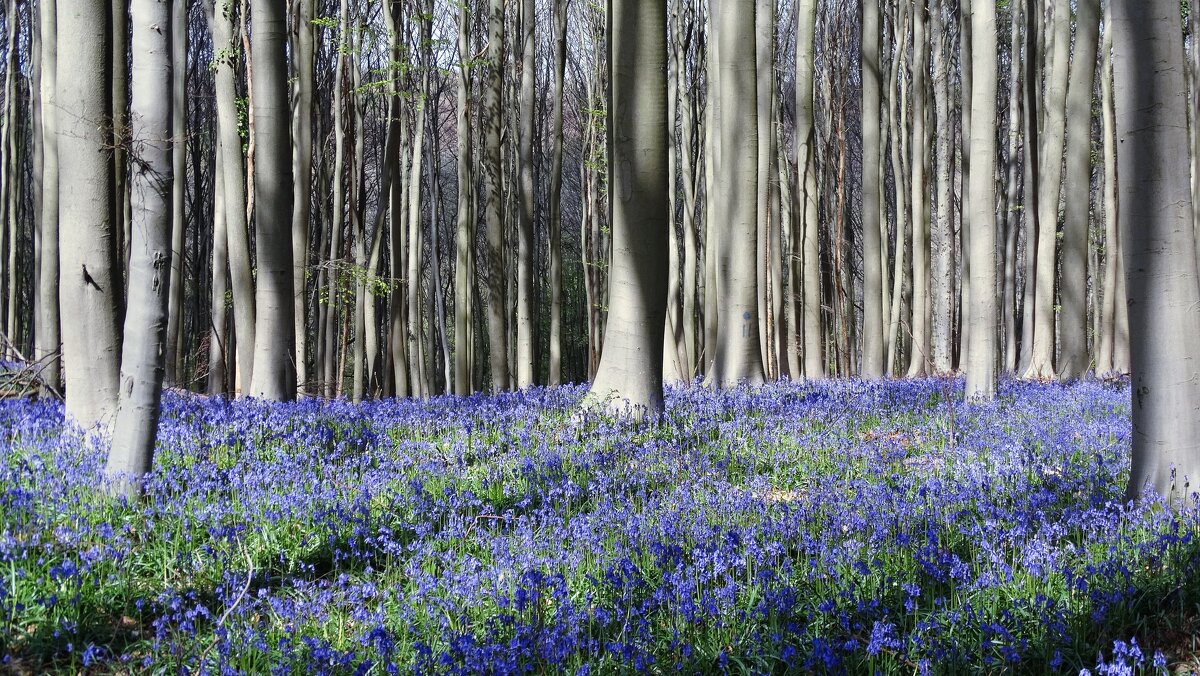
[825, 527]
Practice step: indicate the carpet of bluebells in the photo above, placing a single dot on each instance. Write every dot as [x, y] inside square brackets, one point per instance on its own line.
[825, 527]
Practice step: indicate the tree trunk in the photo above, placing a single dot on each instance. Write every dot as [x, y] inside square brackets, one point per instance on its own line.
[143, 356]
[808, 226]
[1073, 358]
[1011, 213]
[1049, 187]
[464, 262]
[873, 350]
[629, 380]
[918, 359]
[526, 365]
[90, 284]
[941, 240]
[981, 367]
[48, 326]
[1110, 299]
[1160, 248]
[737, 358]
[492, 168]
[233, 180]
[556, 177]
[218, 338]
[302, 151]
[179, 52]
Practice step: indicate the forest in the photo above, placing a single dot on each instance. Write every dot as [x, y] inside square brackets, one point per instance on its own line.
[621, 336]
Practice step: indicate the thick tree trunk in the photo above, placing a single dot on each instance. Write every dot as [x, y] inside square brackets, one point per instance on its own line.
[981, 310]
[873, 340]
[1160, 248]
[1073, 358]
[1011, 213]
[144, 352]
[90, 283]
[629, 380]
[737, 357]
[274, 347]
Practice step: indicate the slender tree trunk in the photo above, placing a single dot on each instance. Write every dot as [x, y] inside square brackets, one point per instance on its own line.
[179, 51]
[492, 168]
[218, 339]
[1012, 208]
[556, 177]
[90, 283]
[630, 376]
[302, 150]
[941, 241]
[1160, 248]
[48, 327]
[1049, 187]
[808, 225]
[765, 73]
[119, 78]
[1073, 358]
[1106, 354]
[920, 210]
[464, 264]
[526, 365]
[873, 339]
[898, 120]
[233, 179]
[144, 352]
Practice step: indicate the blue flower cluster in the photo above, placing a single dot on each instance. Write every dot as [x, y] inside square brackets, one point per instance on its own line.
[821, 527]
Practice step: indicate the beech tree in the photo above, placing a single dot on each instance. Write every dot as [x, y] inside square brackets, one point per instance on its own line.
[90, 281]
[1160, 248]
[629, 379]
[143, 358]
[274, 346]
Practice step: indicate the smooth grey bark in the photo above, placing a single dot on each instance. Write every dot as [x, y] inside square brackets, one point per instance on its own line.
[688, 160]
[494, 260]
[1073, 358]
[808, 227]
[339, 185]
[1010, 214]
[233, 180]
[765, 74]
[941, 239]
[90, 281]
[982, 307]
[526, 320]
[919, 357]
[629, 380]
[274, 347]
[1031, 174]
[302, 150]
[179, 51]
[417, 376]
[1160, 248]
[10, 174]
[47, 326]
[143, 356]
[1112, 296]
[464, 262]
[218, 338]
[872, 365]
[556, 179]
[737, 357]
[898, 121]
[1049, 187]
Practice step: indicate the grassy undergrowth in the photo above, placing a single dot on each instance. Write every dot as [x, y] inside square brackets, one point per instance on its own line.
[822, 527]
